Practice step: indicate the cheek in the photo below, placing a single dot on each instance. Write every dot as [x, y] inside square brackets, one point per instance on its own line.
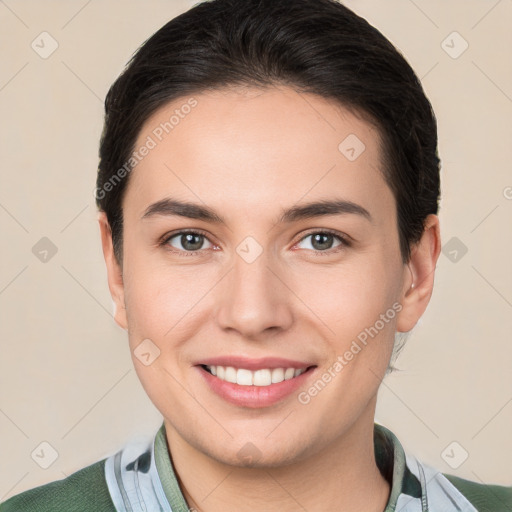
[159, 306]
[351, 297]
[357, 308]
[163, 301]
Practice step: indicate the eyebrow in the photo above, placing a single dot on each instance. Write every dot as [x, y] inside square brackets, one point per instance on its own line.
[173, 207]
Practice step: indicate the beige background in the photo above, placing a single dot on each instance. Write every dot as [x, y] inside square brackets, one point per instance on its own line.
[66, 376]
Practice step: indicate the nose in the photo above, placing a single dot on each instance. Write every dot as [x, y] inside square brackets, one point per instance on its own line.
[253, 299]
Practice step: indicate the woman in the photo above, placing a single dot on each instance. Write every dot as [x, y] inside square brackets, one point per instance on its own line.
[268, 192]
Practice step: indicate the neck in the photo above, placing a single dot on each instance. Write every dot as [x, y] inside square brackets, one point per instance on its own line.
[343, 476]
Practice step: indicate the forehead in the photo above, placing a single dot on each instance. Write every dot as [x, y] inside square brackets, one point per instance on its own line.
[257, 147]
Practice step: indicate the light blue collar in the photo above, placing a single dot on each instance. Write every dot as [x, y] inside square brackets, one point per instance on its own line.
[137, 474]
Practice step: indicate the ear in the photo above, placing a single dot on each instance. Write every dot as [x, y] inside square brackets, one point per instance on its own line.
[114, 272]
[419, 283]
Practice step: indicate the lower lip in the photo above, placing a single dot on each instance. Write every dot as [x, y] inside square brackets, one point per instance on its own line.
[254, 396]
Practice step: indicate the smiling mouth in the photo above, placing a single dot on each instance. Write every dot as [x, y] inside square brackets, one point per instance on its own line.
[263, 377]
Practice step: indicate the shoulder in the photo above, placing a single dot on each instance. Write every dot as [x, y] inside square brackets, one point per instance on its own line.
[484, 497]
[418, 486]
[84, 491]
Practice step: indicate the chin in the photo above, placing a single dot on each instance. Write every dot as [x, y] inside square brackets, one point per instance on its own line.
[257, 455]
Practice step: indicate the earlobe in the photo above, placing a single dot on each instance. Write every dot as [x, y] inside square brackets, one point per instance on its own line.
[418, 286]
[114, 272]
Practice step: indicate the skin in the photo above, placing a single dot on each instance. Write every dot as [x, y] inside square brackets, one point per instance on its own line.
[248, 154]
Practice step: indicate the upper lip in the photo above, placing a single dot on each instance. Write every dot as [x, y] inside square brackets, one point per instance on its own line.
[254, 364]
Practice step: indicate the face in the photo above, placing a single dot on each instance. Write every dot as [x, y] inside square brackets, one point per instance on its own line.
[262, 279]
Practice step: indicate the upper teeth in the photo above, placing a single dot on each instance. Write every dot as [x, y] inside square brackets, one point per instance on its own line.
[263, 377]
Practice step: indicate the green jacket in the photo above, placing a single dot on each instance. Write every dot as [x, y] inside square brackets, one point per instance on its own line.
[141, 478]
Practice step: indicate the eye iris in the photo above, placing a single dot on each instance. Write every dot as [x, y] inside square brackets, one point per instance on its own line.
[319, 241]
[187, 241]
[194, 241]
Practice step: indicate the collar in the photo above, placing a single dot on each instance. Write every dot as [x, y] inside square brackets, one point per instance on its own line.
[141, 478]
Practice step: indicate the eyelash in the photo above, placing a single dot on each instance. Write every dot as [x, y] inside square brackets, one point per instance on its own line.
[345, 243]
